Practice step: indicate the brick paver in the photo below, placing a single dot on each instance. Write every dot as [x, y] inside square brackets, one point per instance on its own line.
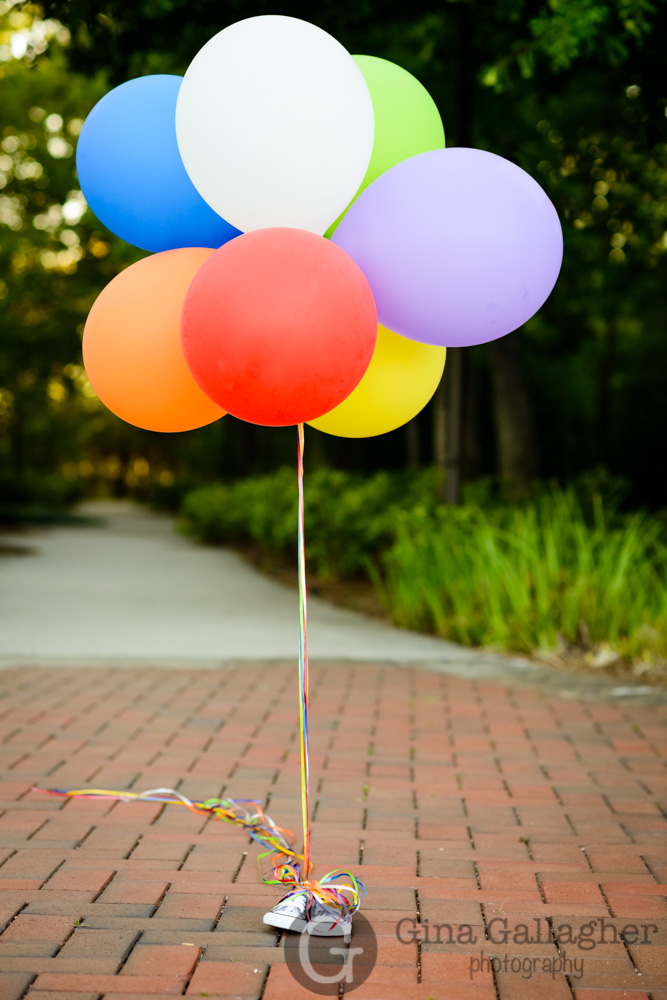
[512, 842]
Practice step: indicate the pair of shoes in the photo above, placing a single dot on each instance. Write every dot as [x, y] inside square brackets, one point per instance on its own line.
[292, 914]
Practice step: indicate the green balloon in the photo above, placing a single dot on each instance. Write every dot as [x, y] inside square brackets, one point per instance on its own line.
[407, 121]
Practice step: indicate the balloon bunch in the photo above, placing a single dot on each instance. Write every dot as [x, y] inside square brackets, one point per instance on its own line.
[292, 196]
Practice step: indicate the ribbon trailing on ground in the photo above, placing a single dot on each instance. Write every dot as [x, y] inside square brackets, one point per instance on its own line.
[288, 868]
[248, 814]
[245, 813]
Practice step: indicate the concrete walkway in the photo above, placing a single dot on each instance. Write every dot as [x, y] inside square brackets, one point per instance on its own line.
[130, 588]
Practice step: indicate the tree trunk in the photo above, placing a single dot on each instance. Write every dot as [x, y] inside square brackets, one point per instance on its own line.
[513, 417]
[453, 388]
[606, 371]
[439, 411]
[447, 436]
[412, 443]
[470, 452]
[17, 441]
[316, 443]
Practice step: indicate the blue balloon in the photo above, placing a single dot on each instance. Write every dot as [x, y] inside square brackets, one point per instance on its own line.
[131, 173]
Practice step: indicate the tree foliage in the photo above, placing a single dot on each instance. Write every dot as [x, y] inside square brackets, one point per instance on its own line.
[54, 256]
[571, 90]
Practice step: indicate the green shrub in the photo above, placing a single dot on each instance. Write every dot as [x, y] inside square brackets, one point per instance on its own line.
[37, 498]
[169, 496]
[49, 489]
[349, 518]
[518, 578]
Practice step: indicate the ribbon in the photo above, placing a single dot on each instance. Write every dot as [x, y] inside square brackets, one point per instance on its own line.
[303, 660]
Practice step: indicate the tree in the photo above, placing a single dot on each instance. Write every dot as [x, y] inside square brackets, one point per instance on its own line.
[54, 256]
[571, 90]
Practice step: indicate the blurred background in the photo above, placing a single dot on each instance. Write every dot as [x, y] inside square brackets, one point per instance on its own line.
[539, 460]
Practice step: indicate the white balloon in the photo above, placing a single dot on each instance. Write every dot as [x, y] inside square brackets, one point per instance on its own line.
[275, 124]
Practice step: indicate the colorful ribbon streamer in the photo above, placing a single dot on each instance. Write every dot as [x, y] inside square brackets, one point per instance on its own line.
[248, 814]
[288, 868]
[303, 661]
[245, 813]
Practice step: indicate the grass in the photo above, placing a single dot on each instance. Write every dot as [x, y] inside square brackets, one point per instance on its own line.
[531, 578]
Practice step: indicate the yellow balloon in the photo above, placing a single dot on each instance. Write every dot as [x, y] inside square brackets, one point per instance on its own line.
[398, 383]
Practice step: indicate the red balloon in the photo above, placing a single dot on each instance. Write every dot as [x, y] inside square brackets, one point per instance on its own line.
[278, 326]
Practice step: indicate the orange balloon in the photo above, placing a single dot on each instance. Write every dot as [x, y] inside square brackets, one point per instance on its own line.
[132, 345]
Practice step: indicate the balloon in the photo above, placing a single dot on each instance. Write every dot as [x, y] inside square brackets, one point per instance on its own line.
[275, 124]
[407, 121]
[132, 175]
[132, 345]
[278, 326]
[459, 246]
[400, 380]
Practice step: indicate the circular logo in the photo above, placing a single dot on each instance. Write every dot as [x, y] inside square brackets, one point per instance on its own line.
[324, 964]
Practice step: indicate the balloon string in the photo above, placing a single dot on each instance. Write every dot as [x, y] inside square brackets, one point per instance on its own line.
[303, 662]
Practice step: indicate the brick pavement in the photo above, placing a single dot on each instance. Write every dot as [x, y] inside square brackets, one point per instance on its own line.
[478, 814]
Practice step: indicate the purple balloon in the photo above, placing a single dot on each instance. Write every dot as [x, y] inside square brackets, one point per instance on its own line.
[459, 246]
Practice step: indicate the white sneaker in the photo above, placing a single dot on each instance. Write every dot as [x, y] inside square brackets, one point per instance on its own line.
[290, 914]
